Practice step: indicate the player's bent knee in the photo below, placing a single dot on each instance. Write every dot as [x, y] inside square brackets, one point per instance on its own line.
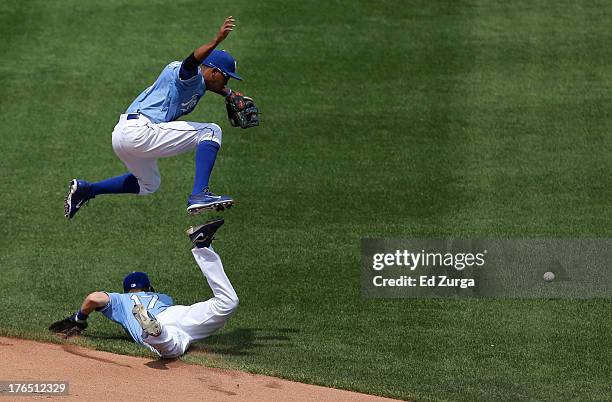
[149, 187]
[227, 306]
[212, 132]
[233, 305]
[216, 129]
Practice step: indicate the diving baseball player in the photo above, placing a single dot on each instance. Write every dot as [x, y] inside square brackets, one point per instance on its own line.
[150, 318]
[149, 130]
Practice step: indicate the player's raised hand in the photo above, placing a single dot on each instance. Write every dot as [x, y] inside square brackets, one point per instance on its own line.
[227, 27]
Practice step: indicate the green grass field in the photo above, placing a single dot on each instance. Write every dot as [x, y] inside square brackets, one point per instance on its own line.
[381, 119]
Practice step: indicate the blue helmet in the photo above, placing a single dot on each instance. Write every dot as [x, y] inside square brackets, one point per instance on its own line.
[222, 60]
[136, 280]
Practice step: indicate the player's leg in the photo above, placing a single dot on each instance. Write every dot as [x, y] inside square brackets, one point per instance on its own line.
[139, 143]
[146, 174]
[173, 138]
[81, 191]
[143, 180]
[160, 334]
[204, 318]
[170, 343]
[177, 137]
[130, 145]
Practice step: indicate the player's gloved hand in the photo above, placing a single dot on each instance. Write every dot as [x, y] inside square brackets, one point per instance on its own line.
[68, 327]
[241, 110]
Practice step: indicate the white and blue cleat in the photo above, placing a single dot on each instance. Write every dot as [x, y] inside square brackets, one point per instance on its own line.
[78, 195]
[206, 200]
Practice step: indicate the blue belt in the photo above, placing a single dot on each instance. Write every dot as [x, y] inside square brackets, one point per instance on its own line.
[132, 116]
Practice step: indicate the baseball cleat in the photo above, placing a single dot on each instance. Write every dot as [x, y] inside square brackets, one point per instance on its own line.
[205, 200]
[202, 235]
[78, 195]
[148, 323]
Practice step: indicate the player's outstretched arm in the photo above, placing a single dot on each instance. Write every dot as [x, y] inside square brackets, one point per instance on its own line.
[203, 51]
[190, 65]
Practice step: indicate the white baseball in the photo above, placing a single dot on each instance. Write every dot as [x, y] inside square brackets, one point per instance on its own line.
[549, 276]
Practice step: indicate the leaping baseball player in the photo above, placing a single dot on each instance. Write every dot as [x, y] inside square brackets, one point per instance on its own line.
[149, 129]
[150, 318]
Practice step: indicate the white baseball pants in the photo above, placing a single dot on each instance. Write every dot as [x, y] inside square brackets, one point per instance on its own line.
[182, 325]
[139, 143]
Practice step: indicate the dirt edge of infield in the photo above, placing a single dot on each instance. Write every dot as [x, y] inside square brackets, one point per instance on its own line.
[99, 375]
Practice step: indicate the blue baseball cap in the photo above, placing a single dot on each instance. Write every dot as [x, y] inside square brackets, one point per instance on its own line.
[136, 280]
[222, 60]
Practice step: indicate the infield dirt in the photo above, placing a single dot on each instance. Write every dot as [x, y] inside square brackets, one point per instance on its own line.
[103, 376]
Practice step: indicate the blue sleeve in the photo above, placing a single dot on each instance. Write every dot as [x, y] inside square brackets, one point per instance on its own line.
[114, 309]
[189, 84]
[189, 67]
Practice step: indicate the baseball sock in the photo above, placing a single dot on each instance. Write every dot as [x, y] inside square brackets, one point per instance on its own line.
[205, 156]
[127, 183]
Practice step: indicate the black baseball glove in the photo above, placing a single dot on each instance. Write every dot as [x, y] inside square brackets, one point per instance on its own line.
[241, 110]
[68, 327]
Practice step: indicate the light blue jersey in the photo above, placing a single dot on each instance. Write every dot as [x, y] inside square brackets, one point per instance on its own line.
[120, 307]
[169, 97]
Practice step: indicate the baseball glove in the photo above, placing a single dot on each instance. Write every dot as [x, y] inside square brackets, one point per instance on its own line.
[241, 110]
[68, 327]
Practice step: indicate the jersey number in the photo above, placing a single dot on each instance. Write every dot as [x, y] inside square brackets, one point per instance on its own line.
[151, 304]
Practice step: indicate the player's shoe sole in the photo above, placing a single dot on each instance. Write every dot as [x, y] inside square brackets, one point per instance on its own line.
[149, 325]
[72, 206]
[72, 186]
[196, 209]
[202, 235]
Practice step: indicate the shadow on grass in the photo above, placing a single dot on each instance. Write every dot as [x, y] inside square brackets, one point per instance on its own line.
[242, 341]
[239, 342]
[109, 337]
